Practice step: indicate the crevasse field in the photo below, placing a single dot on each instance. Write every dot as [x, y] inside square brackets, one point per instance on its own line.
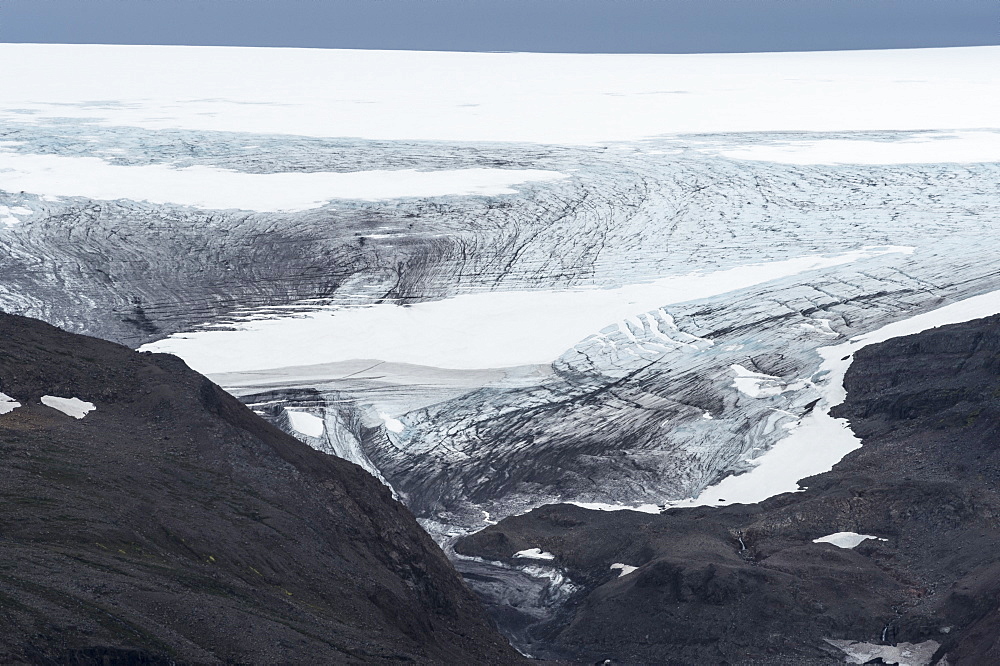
[503, 280]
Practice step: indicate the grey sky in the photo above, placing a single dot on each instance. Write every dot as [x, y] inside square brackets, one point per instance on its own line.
[623, 26]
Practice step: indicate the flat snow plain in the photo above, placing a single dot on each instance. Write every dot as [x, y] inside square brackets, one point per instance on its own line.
[544, 98]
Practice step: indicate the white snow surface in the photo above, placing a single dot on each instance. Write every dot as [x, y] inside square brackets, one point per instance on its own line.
[601, 506]
[214, 188]
[846, 539]
[69, 406]
[488, 330]
[625, 568]
[535, 554]
[548, 98]
[903, 654]
[7, 404]
[820, 441]
[305, 423]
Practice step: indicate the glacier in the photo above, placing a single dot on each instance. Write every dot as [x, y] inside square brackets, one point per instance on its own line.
[497, 281]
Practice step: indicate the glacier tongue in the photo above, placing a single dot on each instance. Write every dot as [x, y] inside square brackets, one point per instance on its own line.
[565, 341]
[618, 430]
[630, 429]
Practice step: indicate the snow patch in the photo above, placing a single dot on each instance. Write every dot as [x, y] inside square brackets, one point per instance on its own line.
[846, 539]
[535, 554]
[600, 506]
[305, 423]
[214, 188]
[821, 326]
[759, 385]
[10, 215]
[69, 406]
[625, 568]
[931, 148]
[7, 404]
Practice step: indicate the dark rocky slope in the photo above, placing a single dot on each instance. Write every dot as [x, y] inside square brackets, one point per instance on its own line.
[173, 525]
[746, 584]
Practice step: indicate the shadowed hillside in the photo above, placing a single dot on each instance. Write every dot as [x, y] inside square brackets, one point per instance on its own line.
[171, 524]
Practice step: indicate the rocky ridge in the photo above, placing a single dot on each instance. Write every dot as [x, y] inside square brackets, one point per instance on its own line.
[172, 525]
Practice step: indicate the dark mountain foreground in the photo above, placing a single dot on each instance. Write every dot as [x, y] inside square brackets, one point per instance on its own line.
[172, 525]
[747, 585]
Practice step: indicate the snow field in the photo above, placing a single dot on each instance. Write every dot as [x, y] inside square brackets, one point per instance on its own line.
[69, 406]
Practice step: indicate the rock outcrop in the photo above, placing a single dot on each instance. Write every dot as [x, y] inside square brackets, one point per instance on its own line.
[170, 524]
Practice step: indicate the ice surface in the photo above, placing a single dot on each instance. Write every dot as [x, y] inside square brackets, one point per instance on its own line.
[625, 568]
[547, 98]
[69, 406]
[846, 539]
[535, 554]
[10, 215]
[305, 423]
[601, 506]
